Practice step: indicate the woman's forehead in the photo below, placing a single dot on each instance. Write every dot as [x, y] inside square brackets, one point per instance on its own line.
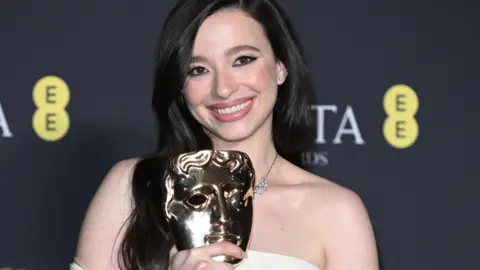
[227, 29]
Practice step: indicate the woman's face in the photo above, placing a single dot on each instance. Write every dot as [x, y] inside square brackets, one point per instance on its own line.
[232, 84]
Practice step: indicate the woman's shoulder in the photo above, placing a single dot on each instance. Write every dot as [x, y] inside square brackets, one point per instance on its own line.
[339, 215]
[328, 192]
[327, 196]
[122, 170]
[108, 210]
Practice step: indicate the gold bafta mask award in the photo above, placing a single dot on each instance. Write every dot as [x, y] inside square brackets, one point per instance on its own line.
[209, 197]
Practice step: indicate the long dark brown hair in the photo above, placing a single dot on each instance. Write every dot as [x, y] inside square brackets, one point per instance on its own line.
[148, 240]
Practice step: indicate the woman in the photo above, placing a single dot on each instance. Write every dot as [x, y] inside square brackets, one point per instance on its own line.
[230, 75]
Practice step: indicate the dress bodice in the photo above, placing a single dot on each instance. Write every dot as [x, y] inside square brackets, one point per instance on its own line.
[258, 260]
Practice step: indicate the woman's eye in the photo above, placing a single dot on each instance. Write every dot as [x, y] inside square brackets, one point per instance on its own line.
[243, 60]
[197, 71]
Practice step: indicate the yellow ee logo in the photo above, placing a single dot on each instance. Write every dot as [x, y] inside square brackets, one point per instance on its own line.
[400, 127]
[51, 96]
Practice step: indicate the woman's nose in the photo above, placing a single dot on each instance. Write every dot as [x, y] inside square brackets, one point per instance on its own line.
[225, 85]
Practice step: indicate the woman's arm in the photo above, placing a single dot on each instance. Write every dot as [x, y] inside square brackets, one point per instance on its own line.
[102, 230]
[351, 242]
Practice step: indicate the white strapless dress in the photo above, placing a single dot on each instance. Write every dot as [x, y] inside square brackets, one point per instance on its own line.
[258, 260]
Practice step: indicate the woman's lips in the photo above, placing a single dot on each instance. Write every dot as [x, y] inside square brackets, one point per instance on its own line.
[232, 111]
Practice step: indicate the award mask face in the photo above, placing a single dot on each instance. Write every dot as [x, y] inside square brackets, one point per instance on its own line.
[209, 199]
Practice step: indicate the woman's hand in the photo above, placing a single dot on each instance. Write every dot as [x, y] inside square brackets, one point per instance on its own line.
[201, 258]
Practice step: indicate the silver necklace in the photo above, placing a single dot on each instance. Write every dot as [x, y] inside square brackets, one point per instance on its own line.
[262, 186]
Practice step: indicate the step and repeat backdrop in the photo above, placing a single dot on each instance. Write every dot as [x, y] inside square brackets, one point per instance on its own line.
[397, 84]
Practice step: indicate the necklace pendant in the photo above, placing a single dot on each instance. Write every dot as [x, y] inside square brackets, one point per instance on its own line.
[260, 187]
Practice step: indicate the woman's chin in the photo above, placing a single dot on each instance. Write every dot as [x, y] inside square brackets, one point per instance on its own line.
[232, 135]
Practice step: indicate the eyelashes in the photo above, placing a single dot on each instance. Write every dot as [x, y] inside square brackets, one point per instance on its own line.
[239, 62]
[196, 71]
[244, 60]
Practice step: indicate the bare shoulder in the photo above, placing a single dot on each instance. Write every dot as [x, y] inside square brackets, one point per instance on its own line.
[323, 192]
[330, 195]
[343, 223]
[333, 203]
[102, 228]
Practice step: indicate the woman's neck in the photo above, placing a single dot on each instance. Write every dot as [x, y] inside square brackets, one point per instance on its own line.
[259, 147]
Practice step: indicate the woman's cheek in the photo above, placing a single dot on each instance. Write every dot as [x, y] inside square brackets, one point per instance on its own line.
[261, 78]
[196, 92]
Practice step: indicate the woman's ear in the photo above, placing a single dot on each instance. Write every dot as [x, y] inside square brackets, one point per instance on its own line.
[282, 73]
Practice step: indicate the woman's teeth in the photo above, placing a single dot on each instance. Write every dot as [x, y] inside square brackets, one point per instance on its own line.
[233, 109]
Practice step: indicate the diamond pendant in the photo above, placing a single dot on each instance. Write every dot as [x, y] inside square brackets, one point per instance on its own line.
[260, 187]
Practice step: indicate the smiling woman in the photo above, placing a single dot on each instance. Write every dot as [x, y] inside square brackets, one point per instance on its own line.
[232, 90]
[230, 76]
